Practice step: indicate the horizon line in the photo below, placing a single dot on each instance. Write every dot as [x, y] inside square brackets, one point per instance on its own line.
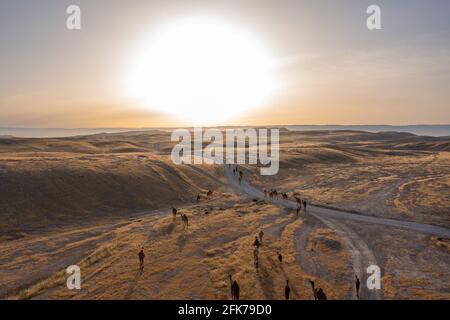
[221, 126]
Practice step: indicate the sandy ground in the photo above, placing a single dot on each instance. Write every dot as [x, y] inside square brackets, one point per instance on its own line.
[410, 186]
[194, 263]
[390, 201]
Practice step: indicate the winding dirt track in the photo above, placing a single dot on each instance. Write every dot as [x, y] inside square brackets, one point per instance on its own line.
[362, 255]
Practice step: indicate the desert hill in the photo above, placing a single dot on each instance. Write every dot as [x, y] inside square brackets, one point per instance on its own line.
[94, 200]
[53, 181]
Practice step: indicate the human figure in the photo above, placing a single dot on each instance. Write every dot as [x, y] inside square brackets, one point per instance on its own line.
[261, 235]
[297, 211]
[256, 243]
[357, 283]
[141, 259]
[304, 205]
[285, 196]
[198, 198]
[287, 290]
[174, 212]
[280, 257]
[209, 193]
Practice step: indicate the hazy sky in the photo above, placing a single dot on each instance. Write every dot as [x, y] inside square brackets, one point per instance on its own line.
[334, 70]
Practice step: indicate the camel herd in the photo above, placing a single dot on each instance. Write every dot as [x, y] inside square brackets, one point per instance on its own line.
[184, 217]
[318, 293]
[272, 194]
[209, 194]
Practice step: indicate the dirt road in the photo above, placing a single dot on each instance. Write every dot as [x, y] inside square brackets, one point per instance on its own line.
[361, 253]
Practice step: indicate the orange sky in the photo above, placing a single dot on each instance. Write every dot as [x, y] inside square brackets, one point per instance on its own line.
[334, 70]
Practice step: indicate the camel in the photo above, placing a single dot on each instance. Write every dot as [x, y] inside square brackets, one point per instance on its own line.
[321, 294]
[256, 243]
[256, 256]
[357, 283]
[299, 201]
[185, 220]
[234, 289]
[231, 286]
[313, 289]
[261, 235]
[280, 257]
[287, 290]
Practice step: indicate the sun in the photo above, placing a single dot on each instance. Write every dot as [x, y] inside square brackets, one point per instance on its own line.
[203, 70]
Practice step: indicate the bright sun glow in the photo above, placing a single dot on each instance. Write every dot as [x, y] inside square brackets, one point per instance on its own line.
[202, 70]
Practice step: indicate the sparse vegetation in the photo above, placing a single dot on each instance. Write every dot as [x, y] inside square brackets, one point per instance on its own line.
[77, 201]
